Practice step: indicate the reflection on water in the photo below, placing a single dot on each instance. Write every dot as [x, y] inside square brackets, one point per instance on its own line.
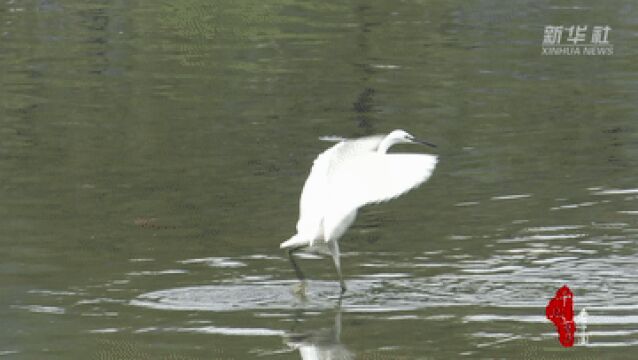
[498, 284]
[493, 301]
[310, 342]
[319, 344]
[513, 285]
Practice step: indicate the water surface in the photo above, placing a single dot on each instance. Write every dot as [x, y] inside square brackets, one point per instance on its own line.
[152, 156]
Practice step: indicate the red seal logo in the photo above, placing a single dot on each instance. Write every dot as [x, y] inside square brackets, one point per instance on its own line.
[560, 311]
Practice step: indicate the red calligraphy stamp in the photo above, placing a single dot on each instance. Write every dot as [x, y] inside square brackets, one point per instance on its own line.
[560, 311]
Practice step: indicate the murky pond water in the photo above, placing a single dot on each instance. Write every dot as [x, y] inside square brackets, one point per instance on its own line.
[152, 156]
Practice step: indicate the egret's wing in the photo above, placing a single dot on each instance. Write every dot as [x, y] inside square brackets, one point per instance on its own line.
[313, 201]
[351, 147]
[316, 202]
[372, 177]
[314, 195]
[332, 138]
[366, 143]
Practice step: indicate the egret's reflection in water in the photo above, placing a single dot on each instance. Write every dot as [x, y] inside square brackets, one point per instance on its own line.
[322, 343]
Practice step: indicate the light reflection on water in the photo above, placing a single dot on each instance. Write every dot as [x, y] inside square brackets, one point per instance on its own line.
[513, 283]
[490, 282]
[507, 287]
[483, 293]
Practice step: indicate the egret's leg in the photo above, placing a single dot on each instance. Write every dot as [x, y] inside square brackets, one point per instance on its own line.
[301, 289]
[334, 248]
[298, 271]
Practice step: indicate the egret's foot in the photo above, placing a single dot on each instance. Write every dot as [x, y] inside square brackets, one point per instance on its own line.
[299, 289]
[343, 286]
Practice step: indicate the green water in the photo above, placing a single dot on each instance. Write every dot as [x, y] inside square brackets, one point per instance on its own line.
[152, 154]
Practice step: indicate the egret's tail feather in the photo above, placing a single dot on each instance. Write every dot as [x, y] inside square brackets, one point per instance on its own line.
[294, 242]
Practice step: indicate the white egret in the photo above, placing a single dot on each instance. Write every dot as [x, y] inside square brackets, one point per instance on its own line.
[347, 176]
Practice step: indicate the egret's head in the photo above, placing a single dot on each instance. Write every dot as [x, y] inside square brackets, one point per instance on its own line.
[402, 136]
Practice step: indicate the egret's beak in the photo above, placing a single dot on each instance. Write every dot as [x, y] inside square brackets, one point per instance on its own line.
[423, 142]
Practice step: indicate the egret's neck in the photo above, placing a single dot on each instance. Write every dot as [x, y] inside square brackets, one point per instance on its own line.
[385, 144]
